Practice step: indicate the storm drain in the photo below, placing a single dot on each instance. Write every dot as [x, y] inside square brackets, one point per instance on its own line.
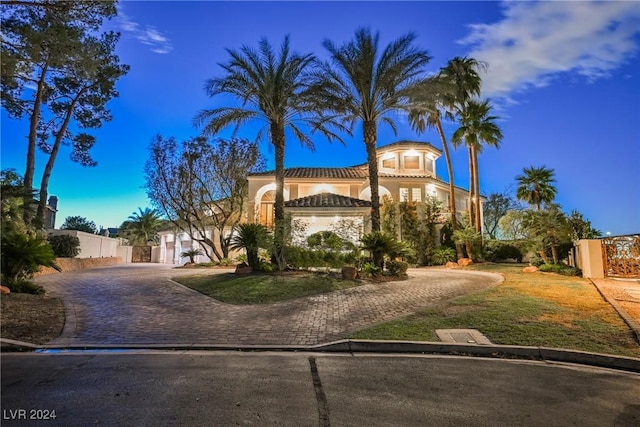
[462, 336]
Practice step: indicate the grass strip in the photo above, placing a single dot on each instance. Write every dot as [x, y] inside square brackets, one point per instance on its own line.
[264, 288]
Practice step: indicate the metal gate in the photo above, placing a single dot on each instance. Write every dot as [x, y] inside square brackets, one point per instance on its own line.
[141, 254]
[621, 256]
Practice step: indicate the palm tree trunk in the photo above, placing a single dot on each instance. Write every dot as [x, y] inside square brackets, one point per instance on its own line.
[452, 189]
[370, 139]
[471, 187]
[476, 190]
[277, 138]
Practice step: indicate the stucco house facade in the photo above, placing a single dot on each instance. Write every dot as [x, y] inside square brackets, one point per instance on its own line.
[323, 197]
[328, 198]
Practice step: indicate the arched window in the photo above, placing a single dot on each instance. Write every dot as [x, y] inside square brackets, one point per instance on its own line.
[266, 215]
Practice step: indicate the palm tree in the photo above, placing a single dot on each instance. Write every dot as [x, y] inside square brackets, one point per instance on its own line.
[361, 83]
[536, 187]
[426, 112]
[551, 228]
[142, 226]
[251, 237]
[192, 254]
[463, 74]
[273, 89]
[477, 127]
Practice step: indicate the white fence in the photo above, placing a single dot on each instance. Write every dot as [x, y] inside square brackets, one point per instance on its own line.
[95, 246]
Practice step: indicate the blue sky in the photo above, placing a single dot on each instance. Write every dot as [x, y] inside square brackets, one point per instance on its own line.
[564, 75]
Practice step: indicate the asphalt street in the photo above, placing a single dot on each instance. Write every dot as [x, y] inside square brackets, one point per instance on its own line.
[199, 388]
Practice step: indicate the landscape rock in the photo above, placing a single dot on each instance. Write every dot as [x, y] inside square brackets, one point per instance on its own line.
[463, 262]
[4, 290]
[530, 269]
[243, 269]
[349, 273]
[451, 264]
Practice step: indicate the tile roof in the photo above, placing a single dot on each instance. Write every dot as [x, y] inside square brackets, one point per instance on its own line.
[407, 143]
[353, 172]
[327, 200]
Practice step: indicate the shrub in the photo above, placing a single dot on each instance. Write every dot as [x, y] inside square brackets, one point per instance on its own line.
[24, 286]
[267, 267]
[397, 268]
[565, 270]
[22, 255]
[370, 270]
[326, 240]
[536, 260]
[298, 257]
[65, 246]
[496, 250]
[442, 255]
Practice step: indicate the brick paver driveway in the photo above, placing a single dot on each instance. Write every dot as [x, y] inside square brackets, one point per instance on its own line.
[139, 304]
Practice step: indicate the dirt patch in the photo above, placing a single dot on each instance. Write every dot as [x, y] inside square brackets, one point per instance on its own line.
[35, 319]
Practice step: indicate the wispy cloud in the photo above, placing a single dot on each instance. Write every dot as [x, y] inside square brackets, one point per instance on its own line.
[145, 34]
[536, 42]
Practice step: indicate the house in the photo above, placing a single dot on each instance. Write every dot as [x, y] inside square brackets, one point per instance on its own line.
[321, 199]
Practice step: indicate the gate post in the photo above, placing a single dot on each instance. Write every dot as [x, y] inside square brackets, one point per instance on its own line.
[590, 258]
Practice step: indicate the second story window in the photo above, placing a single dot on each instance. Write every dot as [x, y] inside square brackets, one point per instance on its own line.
[389, 163]
[411, 162]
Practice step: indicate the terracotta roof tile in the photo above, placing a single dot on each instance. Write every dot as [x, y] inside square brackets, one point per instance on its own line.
[353, 172]
[406, 143]
[327, 200]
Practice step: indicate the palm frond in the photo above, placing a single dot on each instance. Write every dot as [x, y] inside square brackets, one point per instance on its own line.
[217, 119]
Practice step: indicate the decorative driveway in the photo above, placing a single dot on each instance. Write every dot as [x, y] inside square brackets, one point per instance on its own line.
[140, 304]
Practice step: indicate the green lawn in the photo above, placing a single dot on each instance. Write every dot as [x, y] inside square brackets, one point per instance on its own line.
[265, 288]
[530, 309]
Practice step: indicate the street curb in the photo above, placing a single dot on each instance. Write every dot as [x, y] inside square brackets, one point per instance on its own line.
[630, 321]
[371, 346]
[495, 351]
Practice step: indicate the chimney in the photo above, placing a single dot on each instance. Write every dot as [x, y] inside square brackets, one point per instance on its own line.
[51, 212]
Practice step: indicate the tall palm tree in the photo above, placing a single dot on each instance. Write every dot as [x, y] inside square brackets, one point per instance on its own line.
[426, 112]
[362, 83]
[272, 88]
[141, 227]
[477, 127]
[463, 74]
[536, 187]
[551, 228]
